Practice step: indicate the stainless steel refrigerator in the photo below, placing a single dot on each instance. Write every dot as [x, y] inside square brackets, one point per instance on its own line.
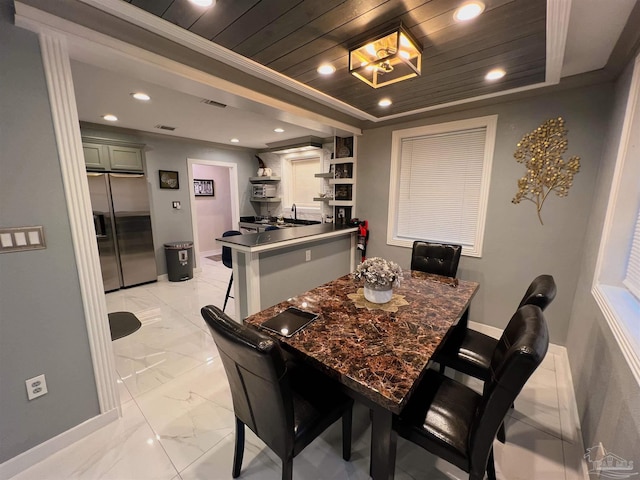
[120, 203]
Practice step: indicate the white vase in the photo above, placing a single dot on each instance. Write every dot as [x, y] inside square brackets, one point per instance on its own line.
[377, 294]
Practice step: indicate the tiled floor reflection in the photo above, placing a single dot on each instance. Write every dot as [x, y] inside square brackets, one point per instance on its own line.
[177, 421]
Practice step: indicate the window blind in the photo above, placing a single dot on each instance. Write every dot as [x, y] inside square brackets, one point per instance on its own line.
[304, 185]
[440, 186]
[632, 278]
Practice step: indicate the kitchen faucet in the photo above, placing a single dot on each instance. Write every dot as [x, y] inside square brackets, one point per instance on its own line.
[294, 209]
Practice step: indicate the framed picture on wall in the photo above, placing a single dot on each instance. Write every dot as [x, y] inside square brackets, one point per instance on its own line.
[203, 188]
[169, 179]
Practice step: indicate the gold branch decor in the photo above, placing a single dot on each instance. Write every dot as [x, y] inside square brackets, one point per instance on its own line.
[541, 152]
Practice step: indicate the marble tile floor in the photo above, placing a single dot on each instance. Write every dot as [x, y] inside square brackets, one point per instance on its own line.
[177, 421]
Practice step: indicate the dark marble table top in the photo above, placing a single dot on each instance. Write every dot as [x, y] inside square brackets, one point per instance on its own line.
[376, 353]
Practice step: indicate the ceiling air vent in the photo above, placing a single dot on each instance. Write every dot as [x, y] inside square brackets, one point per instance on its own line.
[165, 127]
[214, 103]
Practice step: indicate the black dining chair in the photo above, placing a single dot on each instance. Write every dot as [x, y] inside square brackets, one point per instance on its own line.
[227, 260]
[285, 404]
[457, 424]
[470, 352]
[438, 258]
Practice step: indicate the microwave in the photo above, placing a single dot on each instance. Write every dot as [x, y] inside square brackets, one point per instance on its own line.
[263, 191]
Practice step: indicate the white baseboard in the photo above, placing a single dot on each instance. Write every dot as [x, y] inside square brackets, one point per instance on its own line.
[38, 453]
[486, 329]
[569, 423]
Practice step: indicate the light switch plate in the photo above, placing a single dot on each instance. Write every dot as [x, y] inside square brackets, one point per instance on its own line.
[18, 239]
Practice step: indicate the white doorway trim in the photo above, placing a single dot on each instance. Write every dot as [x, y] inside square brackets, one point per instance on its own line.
[233, 193]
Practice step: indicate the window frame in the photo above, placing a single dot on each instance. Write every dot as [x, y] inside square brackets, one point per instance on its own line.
[488, 122]
[618, 304]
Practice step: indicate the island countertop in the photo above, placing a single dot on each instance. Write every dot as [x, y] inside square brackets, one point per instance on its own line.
[272, 239]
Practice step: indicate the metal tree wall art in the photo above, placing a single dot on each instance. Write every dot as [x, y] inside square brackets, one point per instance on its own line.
[541, 151]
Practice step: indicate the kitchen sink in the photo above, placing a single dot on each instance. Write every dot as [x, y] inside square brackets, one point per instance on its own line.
[259, 224]
[301, 222]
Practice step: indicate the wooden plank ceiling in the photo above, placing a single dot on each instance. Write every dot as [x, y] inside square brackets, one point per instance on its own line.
[293, 37]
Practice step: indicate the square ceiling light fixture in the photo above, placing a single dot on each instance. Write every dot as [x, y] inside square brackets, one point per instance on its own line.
[386, 57]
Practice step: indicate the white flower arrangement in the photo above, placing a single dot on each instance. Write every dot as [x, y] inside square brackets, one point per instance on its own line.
[379, 272]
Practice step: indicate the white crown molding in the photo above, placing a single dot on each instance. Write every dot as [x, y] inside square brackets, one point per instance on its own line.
[88, 45]
[155, 24]
[557, 28]
[66, 125]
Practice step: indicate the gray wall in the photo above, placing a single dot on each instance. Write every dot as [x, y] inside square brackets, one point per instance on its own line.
[170, 153]
[42, 325]
[607, 394]
[516, 247]
[285, 273]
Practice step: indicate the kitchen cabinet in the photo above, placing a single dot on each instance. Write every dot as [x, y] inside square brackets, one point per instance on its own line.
[108, 155]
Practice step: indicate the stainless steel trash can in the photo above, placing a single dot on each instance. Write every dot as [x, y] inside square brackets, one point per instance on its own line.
[179, 257]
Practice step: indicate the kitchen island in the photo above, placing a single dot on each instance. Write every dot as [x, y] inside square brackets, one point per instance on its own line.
[271, 266]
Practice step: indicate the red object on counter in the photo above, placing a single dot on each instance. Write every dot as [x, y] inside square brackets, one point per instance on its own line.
[363, 238]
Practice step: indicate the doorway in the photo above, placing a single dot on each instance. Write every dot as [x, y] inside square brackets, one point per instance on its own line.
[211, 215]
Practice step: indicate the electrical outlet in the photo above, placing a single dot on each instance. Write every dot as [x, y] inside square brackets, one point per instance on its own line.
[307, 255]
[36, 387]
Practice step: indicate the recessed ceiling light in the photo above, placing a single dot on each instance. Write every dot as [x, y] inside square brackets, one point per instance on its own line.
[278, 130]
[468, 11]
[385, 102]
[234, 140]
[110, 118]
[495, 74]
[141, 96]
[326, 69]
[202, 3]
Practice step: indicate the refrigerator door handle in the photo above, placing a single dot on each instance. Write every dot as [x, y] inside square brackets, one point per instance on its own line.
[99, 224]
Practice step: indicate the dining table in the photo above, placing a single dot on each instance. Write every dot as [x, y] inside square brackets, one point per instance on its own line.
[377, 352]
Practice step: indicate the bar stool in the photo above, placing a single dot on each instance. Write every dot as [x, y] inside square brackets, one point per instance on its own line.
[227, 260]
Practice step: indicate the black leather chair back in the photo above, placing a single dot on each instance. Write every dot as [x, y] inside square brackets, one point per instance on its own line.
[226, 251]
[541, 292]
[258, 379]
[438, 258]
[520, 351]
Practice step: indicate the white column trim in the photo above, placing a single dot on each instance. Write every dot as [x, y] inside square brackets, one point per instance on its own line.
[64, 111]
